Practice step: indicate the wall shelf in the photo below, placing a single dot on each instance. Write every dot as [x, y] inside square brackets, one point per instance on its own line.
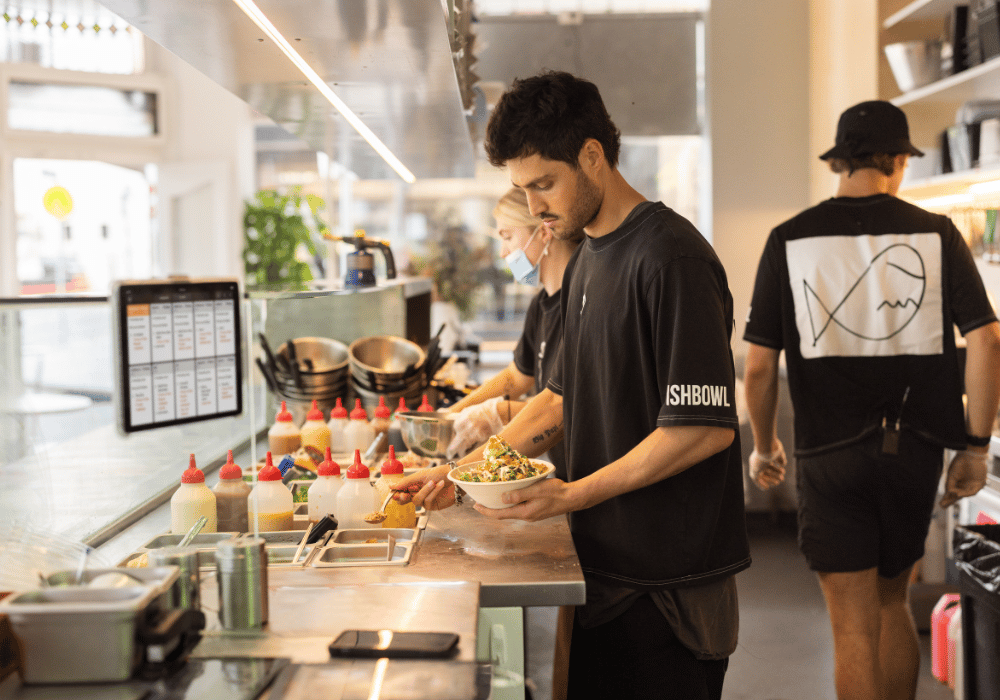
[978, 82]
[919, 10]
[948, 183]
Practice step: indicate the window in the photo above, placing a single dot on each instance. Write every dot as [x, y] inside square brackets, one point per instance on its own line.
[80, 36]
[80, 225]
[80, 109]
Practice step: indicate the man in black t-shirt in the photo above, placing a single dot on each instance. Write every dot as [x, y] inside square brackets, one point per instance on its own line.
[643, 391]
[862, 292]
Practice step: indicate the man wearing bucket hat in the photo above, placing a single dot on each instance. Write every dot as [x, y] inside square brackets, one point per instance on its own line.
[862, 292]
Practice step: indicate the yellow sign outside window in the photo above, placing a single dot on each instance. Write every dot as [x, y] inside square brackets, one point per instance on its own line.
[58, 202]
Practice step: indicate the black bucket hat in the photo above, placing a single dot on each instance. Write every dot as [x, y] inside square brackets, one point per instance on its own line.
[871, 127]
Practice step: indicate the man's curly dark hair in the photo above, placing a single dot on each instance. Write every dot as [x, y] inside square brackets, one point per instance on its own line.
[551, 114]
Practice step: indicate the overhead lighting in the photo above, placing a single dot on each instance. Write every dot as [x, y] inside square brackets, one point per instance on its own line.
[985, 187]
[260, 19]
[944, 201]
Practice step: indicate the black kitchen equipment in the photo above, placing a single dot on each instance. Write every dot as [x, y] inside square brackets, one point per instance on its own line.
[361, 263]
[977, 558]
[984, 16]
[957, 33]
[293, 362]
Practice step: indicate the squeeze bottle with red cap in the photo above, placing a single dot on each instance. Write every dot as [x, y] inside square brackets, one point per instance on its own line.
[395, 428]
[273, 509]
[424, 406]
[284, 438]
[358, 434]
[396, 514]
[323, 492]
[231, 497]
[336, 424]
[191, 501]
[380, 424]
[356, 497]
[315, 432]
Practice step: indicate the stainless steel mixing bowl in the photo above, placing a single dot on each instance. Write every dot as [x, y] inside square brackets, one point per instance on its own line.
[388, 356]
[426, 433]
[325, 354]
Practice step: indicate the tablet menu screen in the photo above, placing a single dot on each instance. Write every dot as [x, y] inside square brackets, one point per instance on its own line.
[179, 345]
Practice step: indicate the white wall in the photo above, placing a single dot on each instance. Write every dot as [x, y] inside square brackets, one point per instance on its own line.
[758, 106]
[207, 126]
[844, 71]
[780, 72]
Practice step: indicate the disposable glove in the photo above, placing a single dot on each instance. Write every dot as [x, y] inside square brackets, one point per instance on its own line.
[767, 470]
[966, 475]
[473, 425]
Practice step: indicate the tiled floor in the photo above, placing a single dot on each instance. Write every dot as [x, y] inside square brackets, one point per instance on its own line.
[785, 650]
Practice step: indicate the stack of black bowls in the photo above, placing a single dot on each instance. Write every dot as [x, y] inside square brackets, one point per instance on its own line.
[389, 366]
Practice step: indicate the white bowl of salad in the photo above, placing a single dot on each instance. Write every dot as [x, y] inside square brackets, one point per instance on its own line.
[503, 470]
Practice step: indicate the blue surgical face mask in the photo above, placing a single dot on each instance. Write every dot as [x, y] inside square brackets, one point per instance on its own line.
[521, 267]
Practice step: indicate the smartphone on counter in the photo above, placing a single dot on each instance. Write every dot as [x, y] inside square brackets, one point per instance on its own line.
[373, 644]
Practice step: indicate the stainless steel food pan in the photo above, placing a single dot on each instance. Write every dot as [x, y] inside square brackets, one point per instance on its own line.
[361, 555]
[77, 634]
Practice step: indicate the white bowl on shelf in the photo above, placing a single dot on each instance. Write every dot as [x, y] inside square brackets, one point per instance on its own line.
[915, 63]
[490, 493]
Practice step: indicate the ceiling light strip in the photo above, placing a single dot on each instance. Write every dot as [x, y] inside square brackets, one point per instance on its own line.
[260, 19]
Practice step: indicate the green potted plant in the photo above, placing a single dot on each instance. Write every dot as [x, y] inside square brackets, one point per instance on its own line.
[456, 267]
[275, 234]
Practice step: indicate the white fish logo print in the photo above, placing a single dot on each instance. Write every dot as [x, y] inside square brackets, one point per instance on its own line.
[875, 310]
[867, 296]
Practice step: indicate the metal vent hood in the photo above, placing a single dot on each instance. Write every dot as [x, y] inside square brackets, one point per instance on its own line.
[390, 61]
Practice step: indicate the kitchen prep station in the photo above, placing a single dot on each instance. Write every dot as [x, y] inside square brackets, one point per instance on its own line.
[249, 612]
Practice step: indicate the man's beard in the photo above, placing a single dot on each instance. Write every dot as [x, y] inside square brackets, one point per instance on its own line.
[585, 208]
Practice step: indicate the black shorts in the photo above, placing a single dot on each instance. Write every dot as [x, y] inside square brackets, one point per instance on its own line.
[860, 508]
[636, 656]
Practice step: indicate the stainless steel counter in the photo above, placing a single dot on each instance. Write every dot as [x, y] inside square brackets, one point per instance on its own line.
[305, 618]
[517, 564]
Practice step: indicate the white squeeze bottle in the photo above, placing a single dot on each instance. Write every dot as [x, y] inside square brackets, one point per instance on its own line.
[315, 432]
[283, 437]
[323, 492]
[191, 501]
[336, 424]
[358, 434]
[356, 497]
[273, 510]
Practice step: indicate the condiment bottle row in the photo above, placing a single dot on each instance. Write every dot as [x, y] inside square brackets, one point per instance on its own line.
[342, 433]
[234, 506]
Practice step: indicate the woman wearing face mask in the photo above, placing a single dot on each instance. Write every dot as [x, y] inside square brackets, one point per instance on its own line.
[534, 257]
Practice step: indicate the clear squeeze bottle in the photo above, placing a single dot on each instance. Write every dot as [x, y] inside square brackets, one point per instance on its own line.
[336, 424]
[273, 510]
[323, 492]
[231, 497]
[315, 432]
[380, 425]
[284, 438]
[396, 514]
[191, 501]
[356, 497]
[358, 434]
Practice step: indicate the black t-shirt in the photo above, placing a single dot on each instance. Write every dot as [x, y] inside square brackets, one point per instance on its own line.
[648, 319]
[863, 294]
[537, 350]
